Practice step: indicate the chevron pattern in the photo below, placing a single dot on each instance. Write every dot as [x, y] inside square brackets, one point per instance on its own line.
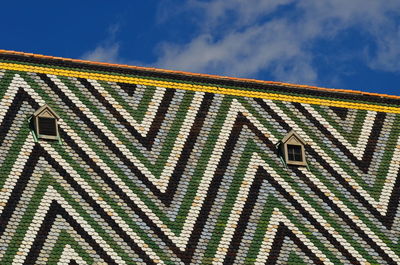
[153, 175]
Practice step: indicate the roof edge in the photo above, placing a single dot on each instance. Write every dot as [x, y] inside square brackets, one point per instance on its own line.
[190, 74]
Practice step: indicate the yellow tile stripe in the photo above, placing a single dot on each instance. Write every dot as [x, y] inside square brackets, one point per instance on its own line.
[192, 87]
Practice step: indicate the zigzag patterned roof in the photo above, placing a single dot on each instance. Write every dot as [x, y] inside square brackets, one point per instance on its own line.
[162, 167]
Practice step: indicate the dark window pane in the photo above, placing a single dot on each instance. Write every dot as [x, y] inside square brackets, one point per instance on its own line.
[47, 126]
[294, 152]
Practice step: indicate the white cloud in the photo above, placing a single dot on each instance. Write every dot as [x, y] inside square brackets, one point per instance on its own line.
[107, 50]
[241, 53]
[103, 53]
[245, 12]
[243, 38]
[387, 54]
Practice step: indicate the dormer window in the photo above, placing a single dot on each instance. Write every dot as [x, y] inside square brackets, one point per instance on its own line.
[46, 123]
[291, 149]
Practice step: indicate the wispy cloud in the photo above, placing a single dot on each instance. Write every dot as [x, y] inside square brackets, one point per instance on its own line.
[107, 50]
[386, 57]
[244, 38]
[103, 53]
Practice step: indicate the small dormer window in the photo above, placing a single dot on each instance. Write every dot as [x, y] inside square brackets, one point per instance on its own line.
[291, 149]
[46, 123]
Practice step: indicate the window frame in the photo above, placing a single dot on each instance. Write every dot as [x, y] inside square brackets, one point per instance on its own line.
[294, 152]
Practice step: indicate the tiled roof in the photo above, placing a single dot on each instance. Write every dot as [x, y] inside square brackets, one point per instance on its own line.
[157, 166]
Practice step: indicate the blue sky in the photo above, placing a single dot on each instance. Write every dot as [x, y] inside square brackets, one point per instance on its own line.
[350, 44]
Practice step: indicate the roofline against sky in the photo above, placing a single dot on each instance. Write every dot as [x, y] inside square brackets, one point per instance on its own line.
[215, 77]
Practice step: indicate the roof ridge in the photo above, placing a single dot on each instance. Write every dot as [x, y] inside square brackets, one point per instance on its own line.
[215, 77]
